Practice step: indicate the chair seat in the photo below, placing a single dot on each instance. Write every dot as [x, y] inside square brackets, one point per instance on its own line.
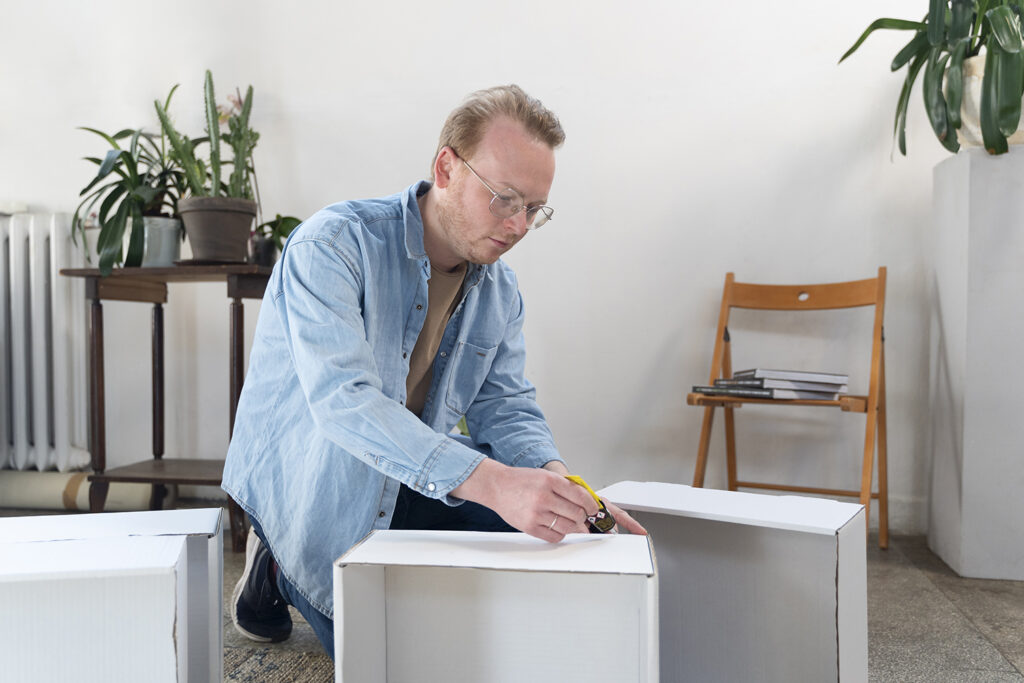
[849, 404]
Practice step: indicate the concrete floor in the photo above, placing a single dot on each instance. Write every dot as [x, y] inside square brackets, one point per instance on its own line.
[925, 623]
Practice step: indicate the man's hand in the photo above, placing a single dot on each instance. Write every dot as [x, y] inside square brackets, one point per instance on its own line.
[623, 519]
[538, 502]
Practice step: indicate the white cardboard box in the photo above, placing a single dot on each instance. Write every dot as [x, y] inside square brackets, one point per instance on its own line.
[495, 607]
[755, 588]
[134, 596]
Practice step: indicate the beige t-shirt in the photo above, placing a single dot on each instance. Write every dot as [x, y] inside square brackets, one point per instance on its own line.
[442, 298]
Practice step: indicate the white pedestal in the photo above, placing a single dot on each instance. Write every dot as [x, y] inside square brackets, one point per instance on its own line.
[976, 520]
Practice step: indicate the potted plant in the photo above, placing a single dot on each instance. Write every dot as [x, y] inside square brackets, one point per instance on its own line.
[268, 238]
[137, 186]
[217, 215]
[949, 42]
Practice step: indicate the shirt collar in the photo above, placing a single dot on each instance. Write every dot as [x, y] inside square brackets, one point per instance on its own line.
[413, 220]
[414, 248]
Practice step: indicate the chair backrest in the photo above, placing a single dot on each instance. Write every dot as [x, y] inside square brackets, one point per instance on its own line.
[833, 295]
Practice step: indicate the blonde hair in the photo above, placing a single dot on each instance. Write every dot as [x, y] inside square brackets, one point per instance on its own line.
[465, 126]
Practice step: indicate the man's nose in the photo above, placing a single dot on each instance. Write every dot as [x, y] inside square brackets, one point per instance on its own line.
[517, 224]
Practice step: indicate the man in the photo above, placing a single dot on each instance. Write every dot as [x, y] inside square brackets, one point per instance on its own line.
[384, 323]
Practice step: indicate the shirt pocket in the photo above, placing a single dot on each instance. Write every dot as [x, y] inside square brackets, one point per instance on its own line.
[470, 366]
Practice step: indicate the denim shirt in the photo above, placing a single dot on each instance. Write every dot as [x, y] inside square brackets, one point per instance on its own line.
[322, 438]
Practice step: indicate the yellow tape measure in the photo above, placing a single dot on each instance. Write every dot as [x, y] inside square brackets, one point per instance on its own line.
[602, 522]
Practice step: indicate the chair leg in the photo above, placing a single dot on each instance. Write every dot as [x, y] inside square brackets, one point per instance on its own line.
[702, 447]
[883, 477]
[869, 452]
[730, 448]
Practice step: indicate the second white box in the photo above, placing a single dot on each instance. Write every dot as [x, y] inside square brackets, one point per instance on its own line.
[495, 607]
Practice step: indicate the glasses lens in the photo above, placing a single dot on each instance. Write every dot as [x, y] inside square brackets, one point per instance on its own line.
[507, 203]
[538, 216]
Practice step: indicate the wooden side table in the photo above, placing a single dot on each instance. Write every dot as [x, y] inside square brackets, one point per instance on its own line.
[149, 285]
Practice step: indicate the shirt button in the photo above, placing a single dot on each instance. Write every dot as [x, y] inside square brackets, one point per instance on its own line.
[419, 307]
[404, 354]
[382, 514]
[444, 354]
[431, 487]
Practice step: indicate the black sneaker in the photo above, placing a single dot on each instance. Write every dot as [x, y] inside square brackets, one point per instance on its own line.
[258, 609]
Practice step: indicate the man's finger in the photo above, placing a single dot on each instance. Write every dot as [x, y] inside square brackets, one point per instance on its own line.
[623, 519]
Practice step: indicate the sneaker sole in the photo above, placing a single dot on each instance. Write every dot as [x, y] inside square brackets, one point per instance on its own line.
[250, 555]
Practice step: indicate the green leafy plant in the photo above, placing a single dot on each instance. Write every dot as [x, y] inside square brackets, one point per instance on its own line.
[141, 179]
[277, 230]
[952, 31]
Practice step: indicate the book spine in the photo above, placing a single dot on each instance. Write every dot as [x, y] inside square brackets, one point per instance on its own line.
[741, 382]
[745, 392]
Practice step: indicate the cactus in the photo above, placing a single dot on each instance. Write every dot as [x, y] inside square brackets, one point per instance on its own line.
[213, 131]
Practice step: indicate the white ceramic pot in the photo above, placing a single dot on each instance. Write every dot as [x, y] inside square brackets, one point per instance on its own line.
[969, 134]
[162, 245]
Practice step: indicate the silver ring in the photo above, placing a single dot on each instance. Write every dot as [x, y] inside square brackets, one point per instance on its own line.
[551, 527]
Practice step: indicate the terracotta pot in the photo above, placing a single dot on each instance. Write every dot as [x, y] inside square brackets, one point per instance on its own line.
[218, 227]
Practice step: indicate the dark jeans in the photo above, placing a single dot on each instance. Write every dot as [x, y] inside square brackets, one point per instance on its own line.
[412, 511]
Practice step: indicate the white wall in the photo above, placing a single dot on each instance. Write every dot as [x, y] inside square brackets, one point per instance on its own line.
[702, 138]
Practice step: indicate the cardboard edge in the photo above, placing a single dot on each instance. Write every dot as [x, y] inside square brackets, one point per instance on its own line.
[653, 628]
[851, 612]
[340, 562]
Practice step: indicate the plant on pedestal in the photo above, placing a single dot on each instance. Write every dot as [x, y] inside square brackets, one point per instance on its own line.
[948, 44]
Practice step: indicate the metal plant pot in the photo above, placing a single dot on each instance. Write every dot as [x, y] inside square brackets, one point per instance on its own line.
[162, 241]
[218, 228]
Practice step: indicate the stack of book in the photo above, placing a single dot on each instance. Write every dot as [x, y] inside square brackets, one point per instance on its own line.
[780, 384]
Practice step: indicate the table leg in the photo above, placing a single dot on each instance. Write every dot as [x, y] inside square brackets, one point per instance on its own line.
[236, 516]
[158, 381]
[97, 415]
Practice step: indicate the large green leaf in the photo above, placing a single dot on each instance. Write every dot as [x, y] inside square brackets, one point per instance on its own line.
[934, 102]
[108, 244]
[995, 141]
[960, 21]
[937, 21]
[917, 45]
[955, 82]
[1005, 27]
[900, 126]
[897, 24]
[136, 240]
[1008, 91]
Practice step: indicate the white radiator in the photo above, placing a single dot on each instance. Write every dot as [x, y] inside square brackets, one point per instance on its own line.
[43, 361]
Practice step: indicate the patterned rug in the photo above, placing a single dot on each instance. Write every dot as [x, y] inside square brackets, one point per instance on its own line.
[266, 665]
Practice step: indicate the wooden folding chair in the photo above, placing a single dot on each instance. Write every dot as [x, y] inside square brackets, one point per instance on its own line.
[803, 298]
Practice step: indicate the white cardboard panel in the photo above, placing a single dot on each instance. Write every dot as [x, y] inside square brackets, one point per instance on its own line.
[796, 513]
[609, 554]
[95, 544]
[204, 521]
[95, 611]
[426, 606]
[754, 588]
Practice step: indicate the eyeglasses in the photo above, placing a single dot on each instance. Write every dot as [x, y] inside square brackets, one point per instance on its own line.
[508, 203]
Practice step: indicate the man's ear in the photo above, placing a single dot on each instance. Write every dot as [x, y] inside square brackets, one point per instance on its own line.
[443, 166]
